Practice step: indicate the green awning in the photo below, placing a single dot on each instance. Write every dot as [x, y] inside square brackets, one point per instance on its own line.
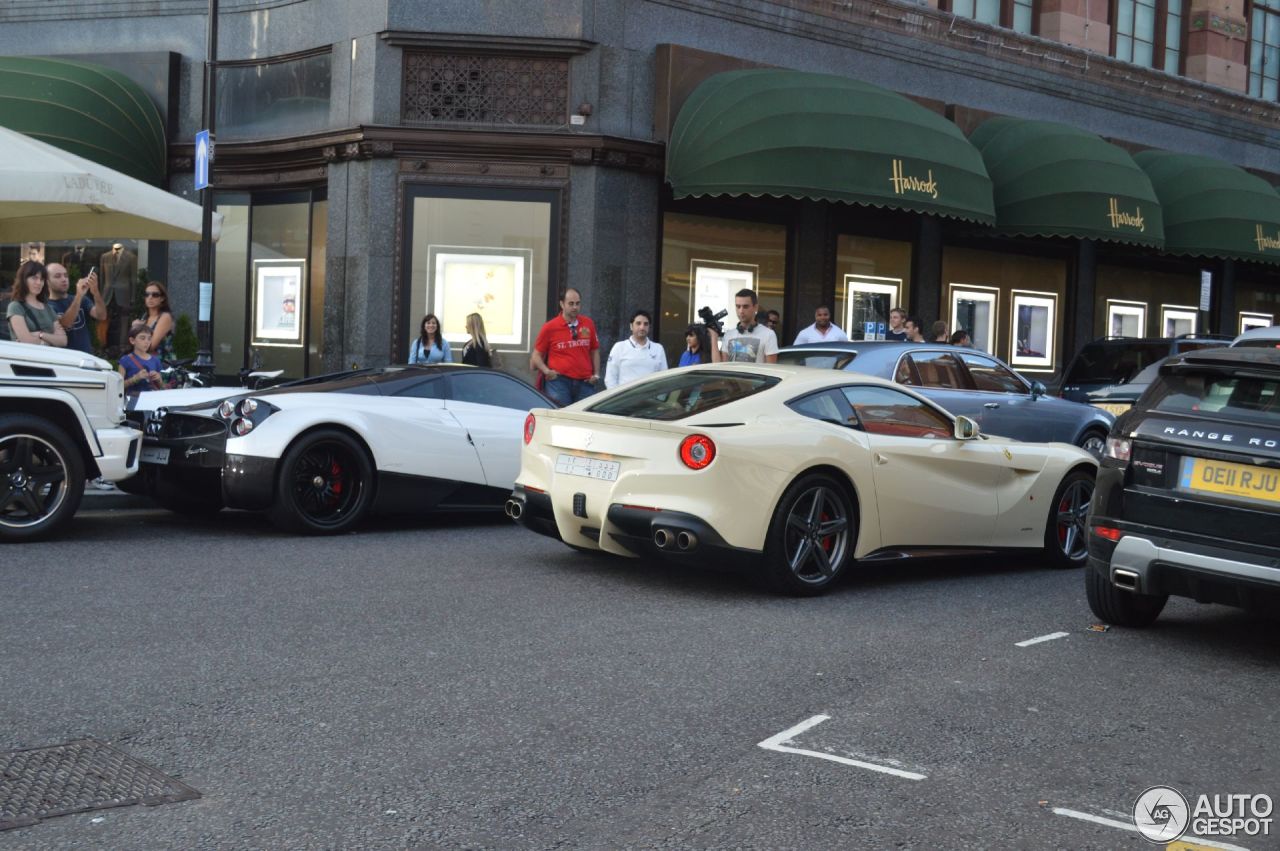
[800, 135]
[1055, 180]
[87, 110]
[1213, 208]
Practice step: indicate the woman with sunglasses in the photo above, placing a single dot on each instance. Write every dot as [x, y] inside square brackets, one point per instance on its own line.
[158, 319]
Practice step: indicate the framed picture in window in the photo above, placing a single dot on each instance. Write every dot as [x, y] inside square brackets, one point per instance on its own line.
[1249, 321]
[712, 284]
[973, 309]
[1032, 330]
[1178, 319]
[279, 302]
[1126, 318]
[867, 302]
[493, 282]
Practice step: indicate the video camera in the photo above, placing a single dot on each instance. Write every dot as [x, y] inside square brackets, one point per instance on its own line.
[712, 320]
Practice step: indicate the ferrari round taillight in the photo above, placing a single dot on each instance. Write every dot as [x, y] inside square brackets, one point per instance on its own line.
[242, 426]
[529, 424]
[697, 451]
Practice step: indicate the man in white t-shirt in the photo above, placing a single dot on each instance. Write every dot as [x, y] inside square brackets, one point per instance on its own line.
[636, 356]
[823, 330]
[747, 342]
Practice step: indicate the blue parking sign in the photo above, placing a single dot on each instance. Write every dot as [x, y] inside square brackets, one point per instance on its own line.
[204, 156]
[869, 330]
[880, 331]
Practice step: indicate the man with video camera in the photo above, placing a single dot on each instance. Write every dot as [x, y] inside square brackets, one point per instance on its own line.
[748, 342]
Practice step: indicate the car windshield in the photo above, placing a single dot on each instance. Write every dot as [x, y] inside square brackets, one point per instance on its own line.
[1245, 398]
[819, 360]
[682, 394]
[1114, 363]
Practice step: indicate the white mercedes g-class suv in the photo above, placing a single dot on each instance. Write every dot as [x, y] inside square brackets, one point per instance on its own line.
[61, 421]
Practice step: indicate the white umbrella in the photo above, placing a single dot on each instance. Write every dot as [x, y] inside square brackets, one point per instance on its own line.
[48, 194]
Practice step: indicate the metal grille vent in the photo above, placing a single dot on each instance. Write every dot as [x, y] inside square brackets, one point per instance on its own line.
[482, 89]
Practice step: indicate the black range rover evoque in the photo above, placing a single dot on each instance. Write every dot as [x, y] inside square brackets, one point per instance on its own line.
[1188, 494]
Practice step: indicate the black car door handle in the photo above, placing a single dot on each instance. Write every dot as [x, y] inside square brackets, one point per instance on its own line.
[990, 404]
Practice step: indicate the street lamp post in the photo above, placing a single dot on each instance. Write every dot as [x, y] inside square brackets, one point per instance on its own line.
[208, 111]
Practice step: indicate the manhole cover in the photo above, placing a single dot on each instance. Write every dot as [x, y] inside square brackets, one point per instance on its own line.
[77, 777]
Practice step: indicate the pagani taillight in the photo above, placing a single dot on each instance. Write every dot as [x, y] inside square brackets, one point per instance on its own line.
[697, 451]
[529, 424]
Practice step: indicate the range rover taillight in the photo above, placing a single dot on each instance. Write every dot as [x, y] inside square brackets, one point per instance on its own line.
[1118, 449]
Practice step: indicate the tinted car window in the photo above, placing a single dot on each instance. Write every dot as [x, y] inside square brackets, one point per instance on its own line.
[487, 388]
[682, 394]
[819, 360]
[430, 388]
[883, 411]
[941, 370]
[828, 406]
[1243, 398]
[992, 376]
[1113, 363]
[1257, 343]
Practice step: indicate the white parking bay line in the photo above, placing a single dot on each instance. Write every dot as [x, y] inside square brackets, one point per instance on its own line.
[1050, 637]
[1132, 828]
[776, 743]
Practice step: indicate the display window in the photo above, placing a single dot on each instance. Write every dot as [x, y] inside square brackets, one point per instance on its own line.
[1177, 320]
[705, 260]
[479, 250]
[973, 309]
[1249, 321]
[1032, 324]
[1141, 286]
[867, 302]
[279, 302]
[1126, 318]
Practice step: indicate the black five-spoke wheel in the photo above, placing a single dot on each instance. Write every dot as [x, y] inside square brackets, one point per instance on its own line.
[812, 536]
[1067, 527]
[41, 478]
[325, 484]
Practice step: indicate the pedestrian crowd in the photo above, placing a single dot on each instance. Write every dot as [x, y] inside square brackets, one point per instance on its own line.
[565, 362]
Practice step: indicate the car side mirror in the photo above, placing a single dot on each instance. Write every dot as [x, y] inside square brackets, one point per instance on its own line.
[1038, 389]
[966, 429]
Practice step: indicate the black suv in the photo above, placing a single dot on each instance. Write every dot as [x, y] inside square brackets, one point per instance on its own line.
[1188, 492]
[1110, 361]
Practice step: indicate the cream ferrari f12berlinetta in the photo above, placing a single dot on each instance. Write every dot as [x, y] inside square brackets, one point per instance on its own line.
[797, 472]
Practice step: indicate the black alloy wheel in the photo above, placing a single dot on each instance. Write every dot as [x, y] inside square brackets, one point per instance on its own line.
[1066, 535]
[41, 478]
[324, 485]
[811, 537]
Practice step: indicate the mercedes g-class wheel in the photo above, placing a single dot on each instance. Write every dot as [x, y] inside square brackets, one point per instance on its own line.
[811, 537]
[1066, 532]
[324, 484]
[1117, 606]
[41, 478]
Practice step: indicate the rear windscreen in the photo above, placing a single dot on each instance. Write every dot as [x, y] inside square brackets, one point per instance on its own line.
[681, 394]
[1114, 364]
[1257, 343]
[818, 360]
[1244, 398]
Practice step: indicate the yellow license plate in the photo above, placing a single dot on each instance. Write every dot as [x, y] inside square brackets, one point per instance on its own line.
[1227, 479]
[1116, 408]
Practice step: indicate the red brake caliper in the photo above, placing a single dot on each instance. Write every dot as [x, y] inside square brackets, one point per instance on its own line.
[1062, 530]
[335, 471]
[828, 543]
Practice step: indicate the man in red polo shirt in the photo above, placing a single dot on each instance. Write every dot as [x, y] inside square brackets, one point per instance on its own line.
[567, 352]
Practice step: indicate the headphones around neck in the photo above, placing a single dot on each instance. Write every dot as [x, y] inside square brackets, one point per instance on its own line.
[748, 329]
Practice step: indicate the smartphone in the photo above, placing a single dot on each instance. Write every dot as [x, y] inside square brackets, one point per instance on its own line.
[93, 270]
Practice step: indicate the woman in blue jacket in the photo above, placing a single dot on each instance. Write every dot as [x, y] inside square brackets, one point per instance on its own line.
[431, 346]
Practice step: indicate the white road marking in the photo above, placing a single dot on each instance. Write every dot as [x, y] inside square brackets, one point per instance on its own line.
[775, 743]
[1132, 828]
[1050, 637]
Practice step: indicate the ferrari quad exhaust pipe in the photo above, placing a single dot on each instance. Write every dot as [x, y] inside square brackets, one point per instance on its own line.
[662, 538]
[513, 509]
[686, 540]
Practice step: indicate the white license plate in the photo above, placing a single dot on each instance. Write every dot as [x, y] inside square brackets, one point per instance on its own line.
[591, 468]
[155, 455]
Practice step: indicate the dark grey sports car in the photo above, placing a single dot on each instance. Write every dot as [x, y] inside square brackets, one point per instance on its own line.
[968, 382]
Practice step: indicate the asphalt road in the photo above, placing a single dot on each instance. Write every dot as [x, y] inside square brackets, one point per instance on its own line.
[462, 684]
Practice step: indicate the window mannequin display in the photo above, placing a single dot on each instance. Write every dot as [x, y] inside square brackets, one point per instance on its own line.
[117, 271]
